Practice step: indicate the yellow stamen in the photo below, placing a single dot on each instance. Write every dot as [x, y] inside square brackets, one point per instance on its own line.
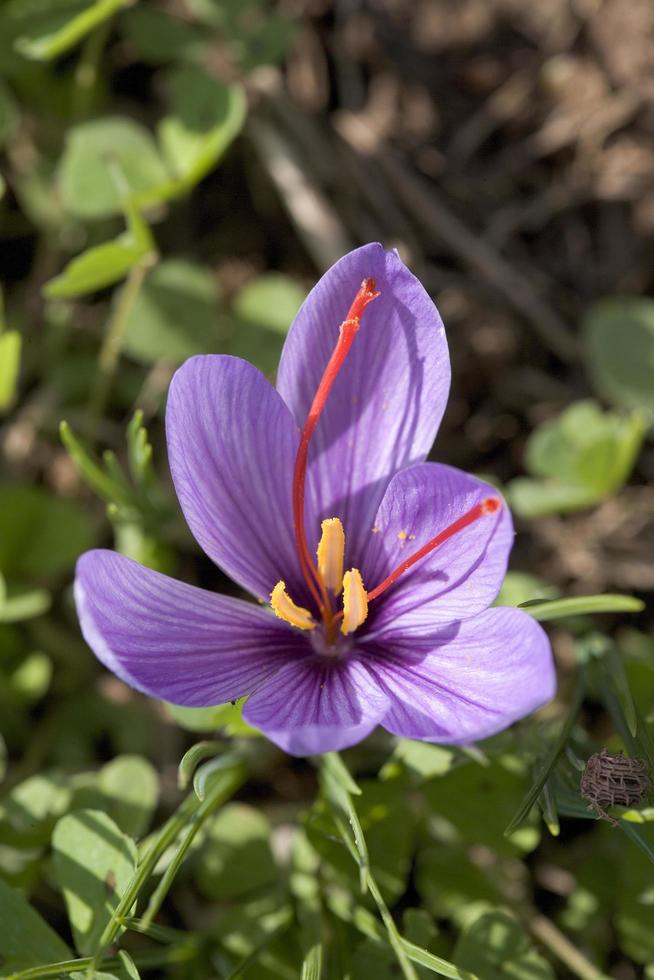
[285, 608]
[355, 601]
[330, 554]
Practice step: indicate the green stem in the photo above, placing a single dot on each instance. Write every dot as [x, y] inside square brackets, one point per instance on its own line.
[223, 788]
[182, 953]
[113, 339]
[87, 70]
[394, 936]
[559, 944]
[169, 832]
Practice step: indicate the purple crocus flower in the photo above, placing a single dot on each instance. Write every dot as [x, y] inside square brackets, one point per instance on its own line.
[303, 493]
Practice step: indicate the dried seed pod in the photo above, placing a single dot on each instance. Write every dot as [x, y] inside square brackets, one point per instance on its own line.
[614, 779]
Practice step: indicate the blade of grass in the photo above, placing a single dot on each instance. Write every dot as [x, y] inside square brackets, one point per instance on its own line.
[556, 750]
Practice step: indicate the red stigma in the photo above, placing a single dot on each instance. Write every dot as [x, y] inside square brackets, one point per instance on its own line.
[367, 292]
[490, 505]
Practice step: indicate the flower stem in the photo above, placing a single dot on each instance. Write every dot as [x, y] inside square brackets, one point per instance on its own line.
[222, 789]
[113, 339]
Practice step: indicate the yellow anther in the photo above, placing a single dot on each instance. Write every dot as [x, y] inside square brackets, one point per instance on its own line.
[330, 554]
[355, 601]
[285, 608]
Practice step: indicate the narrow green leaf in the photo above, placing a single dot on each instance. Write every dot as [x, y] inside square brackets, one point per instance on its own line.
[333, 764]
[51, 41]
[192, 758]
[207, 774]
[128, 965]
[312, 964]
[548, 806]
[436, 963]
[219, 786]
[98, 267]
[92, 473]
[638, 838]
[552, 757]
[10, 350]
[544, 610]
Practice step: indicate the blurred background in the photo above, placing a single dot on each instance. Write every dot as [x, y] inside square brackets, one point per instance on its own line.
[175, 177]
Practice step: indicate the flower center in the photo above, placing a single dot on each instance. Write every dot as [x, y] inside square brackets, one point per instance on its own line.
[325, 579]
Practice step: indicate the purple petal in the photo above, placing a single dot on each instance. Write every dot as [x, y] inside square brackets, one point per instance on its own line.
[175, 641]
[458, 579]
[467, 681]
[317, 705]
[387, 403]
[231, 445]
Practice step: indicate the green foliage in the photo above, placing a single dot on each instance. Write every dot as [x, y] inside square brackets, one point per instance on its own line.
[25, 939]
[174, 315]
[494, 946]
[236, 857]
[136, 235]
[40, 534]
[50, 29]
[619, 336]
[577, 460]
[205, 117]
[105, 162]
[93, 864]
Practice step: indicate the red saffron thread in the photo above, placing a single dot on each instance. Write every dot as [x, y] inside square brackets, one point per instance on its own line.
[367, 292]
[488, 506]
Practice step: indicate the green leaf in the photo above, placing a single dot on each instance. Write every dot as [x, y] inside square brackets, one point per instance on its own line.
[93, 864]
[546, 765]
[105, 162]
[206, 117]
[581, 456]
[10, 350]
[312, 964]
[270, 301]
[54, 31]
[97, 477]
[474, 804]
[261, 315]
[100, 266]
[8, 116]
[25, 939]
[161, 37]
[451, 884]
[227, 718]
[24, 605]
[422, 759]
[496, 947]
[128, 966]
[131, 787]
[539, 498]
[580, 606]
[619, 337]
[31, 679]
[192, 758]
[236, 858]
[40, 534]
[31, 808]
[519, 587]
[174, 315]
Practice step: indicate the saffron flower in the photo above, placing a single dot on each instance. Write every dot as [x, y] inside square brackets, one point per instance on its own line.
[315, 498]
